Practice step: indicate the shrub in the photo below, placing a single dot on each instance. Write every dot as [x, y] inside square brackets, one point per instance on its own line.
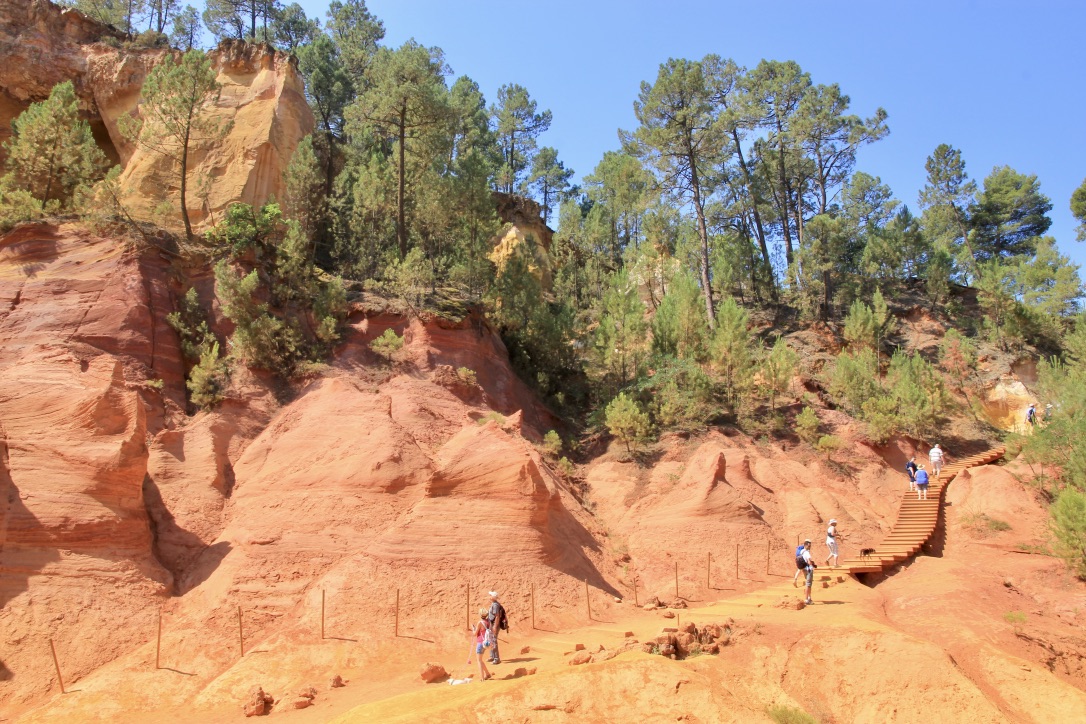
[829, 444]
[807, 426]
[565, 466]
[208, 378]
[16, 205]
[387, 344]
[492, 417]
[467, 376]
[783, 714]
[626, 420]
[1017, 619]
[552, 444]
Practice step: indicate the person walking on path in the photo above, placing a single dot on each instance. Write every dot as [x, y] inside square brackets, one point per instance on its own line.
[910, 470]
[1031, 414]
[921, 484]
[480, 639]
[494, 617]
[809, 569]
[831, 542]
[936, 456]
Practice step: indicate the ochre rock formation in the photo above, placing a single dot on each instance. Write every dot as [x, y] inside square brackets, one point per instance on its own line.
[524, 232]
[262, 93]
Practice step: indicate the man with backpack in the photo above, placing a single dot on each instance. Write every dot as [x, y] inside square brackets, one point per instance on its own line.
[1031, 414]
[800, 565]
[910, 470]
[498, 623]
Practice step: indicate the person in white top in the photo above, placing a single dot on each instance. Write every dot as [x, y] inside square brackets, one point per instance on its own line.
[809, 570]
[936, 456]
[831, 542]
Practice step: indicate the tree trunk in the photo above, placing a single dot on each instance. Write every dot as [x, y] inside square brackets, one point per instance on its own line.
[184, 179]
[703, 232]
[754, 206]
[401, 216]
[782, 180]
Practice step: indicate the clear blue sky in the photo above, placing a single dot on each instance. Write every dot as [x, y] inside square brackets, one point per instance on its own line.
[1000, 80]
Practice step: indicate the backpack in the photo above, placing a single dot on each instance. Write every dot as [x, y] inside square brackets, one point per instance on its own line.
[486, 637]
[501, 620]
[800, 563]
[1031, 414]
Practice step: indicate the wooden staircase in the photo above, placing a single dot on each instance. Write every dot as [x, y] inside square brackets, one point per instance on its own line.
[916, 520]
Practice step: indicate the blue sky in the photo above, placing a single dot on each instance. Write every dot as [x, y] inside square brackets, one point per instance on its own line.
[1002, 81]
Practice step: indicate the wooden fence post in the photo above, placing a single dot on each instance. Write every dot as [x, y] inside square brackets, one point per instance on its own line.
[467, 605]
[587, 599]
[737, 561]
[322, 614]
[57, 665]
[767, 545]
[241, 634]
[676, 579]
[708, 567]
[397, 623]
[158, 640]
[635, 592]
[533, 606]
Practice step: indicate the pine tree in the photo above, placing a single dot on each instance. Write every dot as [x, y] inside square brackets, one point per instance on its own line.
[620, 336]
[778, 368]
[1078, 209]
[1009, 215]
[175, 114]
[679, 327]
[517, 124]
[807, 424]
[731, 351]
[186, 29]
[549, 178]
[52, 151]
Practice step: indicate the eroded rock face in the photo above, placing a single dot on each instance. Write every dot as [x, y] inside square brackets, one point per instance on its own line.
[82, 330]
[262, 94]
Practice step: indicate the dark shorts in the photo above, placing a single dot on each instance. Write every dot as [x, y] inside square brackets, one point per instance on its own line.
[922, 485]
[479, 648]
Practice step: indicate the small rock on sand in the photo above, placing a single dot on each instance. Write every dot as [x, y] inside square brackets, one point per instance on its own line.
[336, 682]
[668, 614]
[433, 672]
[525, 650]
[581, 657]
[257, 703]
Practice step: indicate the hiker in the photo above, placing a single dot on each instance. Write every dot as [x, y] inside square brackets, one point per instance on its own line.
[498, 623]
[910, 470]
[1048, 413]
[480, 639]
[808, 567]
[1031, 414]
[800, 565]
[831, 542]
[935, 457]
[921, 484]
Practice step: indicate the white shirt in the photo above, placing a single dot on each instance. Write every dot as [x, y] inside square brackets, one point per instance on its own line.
[806, 554]
[831, 534]
[936, 455]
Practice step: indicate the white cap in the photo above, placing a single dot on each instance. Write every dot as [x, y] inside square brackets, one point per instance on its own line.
[833, 520]
[493, 594]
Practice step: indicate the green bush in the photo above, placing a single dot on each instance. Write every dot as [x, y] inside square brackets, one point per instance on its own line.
[783, 714]
[552, 444]
[387, 344]
[627, 421]
[208, 378]
[467, 376]
[807, 426]
[829, 444]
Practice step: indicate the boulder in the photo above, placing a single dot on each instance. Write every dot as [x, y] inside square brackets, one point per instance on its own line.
[668, 614]
[525, 650]
[433, 672]
[790, 603]
[689, 628]
[257, 703]
[581, 657]
[336, 682]
[308, 693]
[301, 702]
